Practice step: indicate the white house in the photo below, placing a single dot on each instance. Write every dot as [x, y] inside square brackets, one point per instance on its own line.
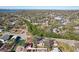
[1, 30]
[56, 30]
[65, 21]
[76, 29]
[58, 18]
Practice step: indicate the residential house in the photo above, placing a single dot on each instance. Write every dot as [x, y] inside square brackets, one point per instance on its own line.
[58, 18]
[65, 21]
[51, 42]
[28, 45]
[5, 38]
[1, 30]
[20, 49]
[56, 30]
[40, 42]
[76, 29]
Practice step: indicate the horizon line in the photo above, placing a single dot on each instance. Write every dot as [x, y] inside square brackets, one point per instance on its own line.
[41, 7]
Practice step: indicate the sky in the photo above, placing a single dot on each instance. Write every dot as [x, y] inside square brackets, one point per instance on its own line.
[42, 7]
